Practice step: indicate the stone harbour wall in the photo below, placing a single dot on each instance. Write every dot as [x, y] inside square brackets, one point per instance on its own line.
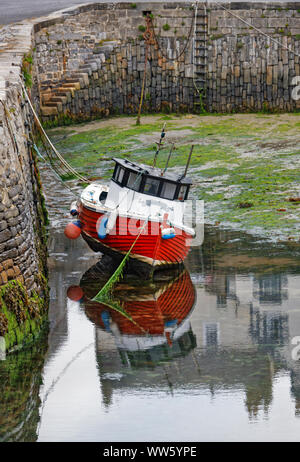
[91, 61]
[23, 254]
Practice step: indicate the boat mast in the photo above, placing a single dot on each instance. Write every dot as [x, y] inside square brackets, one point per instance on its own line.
[168, 159]
[162, 135]
[188, 162]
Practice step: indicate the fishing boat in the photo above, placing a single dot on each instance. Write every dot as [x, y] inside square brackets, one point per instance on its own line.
[141, 211]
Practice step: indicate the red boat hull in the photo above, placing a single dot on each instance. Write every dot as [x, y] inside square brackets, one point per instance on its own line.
[150, 247]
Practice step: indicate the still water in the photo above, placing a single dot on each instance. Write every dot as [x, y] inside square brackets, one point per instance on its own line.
[206, 354]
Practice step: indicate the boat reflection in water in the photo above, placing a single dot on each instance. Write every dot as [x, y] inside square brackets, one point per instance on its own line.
[149, 323]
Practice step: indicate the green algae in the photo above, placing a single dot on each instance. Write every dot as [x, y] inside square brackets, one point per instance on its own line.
[237, 159]
[23, 315]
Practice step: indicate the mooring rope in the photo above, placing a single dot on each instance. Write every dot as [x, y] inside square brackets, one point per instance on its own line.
[114, 306]
[148, 38]
[277, 42]
[104, 294]
[184, 48]
[54, 382]
[53, 169]
[68, 167]
[257, 29]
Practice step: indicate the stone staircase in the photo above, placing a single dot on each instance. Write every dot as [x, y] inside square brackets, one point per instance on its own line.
[54, 97]
[200, 54]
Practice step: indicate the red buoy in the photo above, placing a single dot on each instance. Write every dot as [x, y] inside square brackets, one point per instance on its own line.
[73, 230]
[75, 293]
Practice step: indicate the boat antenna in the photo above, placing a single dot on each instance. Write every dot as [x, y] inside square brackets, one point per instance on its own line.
[168, 159]
[162, 135]
[188, 162]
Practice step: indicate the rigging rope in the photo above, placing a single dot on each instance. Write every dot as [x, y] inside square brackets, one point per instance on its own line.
[159, 144]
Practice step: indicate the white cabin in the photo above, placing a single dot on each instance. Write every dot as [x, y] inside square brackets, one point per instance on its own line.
[138, 191]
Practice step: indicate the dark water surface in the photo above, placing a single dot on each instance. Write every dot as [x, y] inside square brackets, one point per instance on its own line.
[205, 356]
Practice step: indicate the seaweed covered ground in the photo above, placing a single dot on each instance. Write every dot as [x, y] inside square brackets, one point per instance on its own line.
[244, 166]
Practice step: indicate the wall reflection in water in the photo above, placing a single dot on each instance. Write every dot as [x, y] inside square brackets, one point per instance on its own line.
[20, 380]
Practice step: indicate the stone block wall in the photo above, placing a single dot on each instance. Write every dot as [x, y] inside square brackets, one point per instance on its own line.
[23, 254]
[18, 194]
[113, 86]
[247, 70]
[91, 61]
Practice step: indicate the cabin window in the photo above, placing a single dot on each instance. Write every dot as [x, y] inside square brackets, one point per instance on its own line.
[117, 169]
[168, 190]
[134, 181]
[151, 186]
[182, 193]
[103, 196]
[119, 174]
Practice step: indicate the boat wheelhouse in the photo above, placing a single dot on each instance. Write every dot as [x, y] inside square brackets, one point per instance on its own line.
[150, 181]
[138, 200]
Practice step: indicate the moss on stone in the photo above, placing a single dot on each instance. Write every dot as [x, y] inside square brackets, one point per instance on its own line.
[15, 298]
[42, 219]
[27, 69]
[3, 324]
[21, 316]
